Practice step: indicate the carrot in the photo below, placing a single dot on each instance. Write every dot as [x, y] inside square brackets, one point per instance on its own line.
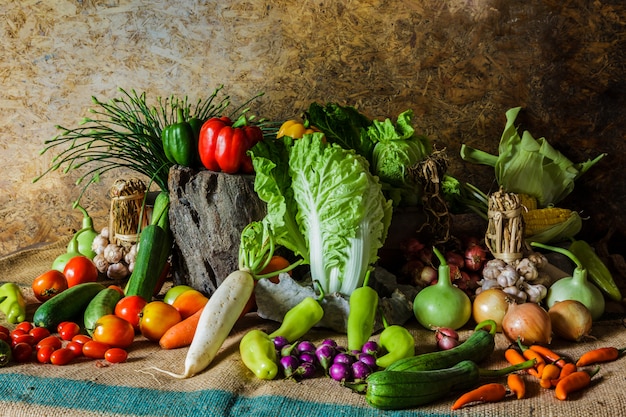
[516, 385]
[492, 392]
[549, 355]
[181, 334]
[572, 383]
[514, 357]
[605, 354]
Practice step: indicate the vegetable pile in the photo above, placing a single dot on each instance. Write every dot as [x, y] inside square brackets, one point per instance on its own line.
[331, 184]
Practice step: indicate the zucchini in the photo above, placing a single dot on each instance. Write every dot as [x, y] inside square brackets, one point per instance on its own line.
[478, 347]
[596, 269]
[67, 305]
[102, 304]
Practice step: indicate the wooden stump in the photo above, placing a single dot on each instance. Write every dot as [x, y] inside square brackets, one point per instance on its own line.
[208, 211]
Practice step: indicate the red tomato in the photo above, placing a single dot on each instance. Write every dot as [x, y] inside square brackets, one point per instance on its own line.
[49, 284]
[61, 356]
[129, 308]
[17, 332]
[76, 348]
[43, 354]
[118, 289]
[60, 326]
[24, 338]
[95, 350]
[189, 302]
[4, 330]
[39, 333]
[5, 336]
[80, 269]
[114, 331]
[25, 325]
[81, 339]
[116, 355]
[22, 352]
[69, 330]
[156, 318]
[53, 341]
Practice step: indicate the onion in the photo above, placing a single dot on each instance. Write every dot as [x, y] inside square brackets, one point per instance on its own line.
[528, 323]
[475, 257]
[571, 320]
[491, 304]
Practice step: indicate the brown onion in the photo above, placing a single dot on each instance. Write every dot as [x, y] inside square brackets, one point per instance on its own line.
[571, 320]
[491, 304]
[527, 322]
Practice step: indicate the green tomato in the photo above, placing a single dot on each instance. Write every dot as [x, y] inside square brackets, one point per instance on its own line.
[174, 292]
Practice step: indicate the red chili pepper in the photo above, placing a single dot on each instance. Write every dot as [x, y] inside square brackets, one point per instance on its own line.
[573, 382]
[492, 392]
[605, 354]
[222, 144]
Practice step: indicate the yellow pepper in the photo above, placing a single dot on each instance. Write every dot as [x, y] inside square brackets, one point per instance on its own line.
[295, 129]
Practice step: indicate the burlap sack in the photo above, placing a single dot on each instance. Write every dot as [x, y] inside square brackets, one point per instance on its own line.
[93, 388]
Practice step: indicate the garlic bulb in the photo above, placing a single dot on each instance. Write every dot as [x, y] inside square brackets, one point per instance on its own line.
[492, 268]
[113, 253]
[99, 243]
[101, 264]
[527, 269]
[508, 277]
[117, 271]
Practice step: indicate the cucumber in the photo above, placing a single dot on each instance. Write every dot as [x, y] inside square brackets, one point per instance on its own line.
[392, 390]
[154, 247]
[66, 306]
[102, 304]
[478, 347]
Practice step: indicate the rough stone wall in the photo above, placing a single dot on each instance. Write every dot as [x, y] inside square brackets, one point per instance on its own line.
[458, 64]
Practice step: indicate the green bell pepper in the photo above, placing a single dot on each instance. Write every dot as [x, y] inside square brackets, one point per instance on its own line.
[179, 143]
[12, 303]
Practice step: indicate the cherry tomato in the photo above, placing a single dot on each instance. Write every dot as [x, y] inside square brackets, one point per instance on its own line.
[49, 284]
[76, 348]
[95, 350]
[43, 354]
[53, 341]
[129, 308]
[80, 269]
[116, 355]
[118, 289]
[5, 336]
[81, 339]
[39, 333]
[16, 333]
[25, 325]
[22, 352]
[24, 338]
[60, 325]
[69, 330]
[114, 331]
[156, 318]
[4, 330]
[61, 356]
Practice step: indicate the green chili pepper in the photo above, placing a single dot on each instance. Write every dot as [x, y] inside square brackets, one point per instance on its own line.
[299, 319]
[12, 303]
[259, 354]
[363, 305]
[179, 143]
[398, 343]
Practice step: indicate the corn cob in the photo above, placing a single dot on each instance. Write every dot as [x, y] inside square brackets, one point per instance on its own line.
[528, 201]
[551, 223]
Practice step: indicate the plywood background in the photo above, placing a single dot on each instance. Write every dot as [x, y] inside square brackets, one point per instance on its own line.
[458, 64]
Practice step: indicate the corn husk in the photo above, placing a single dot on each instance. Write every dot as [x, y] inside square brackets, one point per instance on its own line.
[530, 166]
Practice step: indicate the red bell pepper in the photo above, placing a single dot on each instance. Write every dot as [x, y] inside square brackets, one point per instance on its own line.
[222, 144]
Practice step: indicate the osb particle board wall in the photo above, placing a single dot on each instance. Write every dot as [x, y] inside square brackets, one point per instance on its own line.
[458, 64]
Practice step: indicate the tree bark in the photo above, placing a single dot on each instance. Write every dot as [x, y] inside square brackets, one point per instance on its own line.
[208, 211]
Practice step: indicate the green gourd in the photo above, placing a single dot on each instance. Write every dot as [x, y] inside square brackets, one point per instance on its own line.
[576, 287]
[442, 304]
[87, 234]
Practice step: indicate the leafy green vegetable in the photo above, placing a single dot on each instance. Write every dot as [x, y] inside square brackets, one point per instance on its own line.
[530, 166]
[391, 149]
[324, 205]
